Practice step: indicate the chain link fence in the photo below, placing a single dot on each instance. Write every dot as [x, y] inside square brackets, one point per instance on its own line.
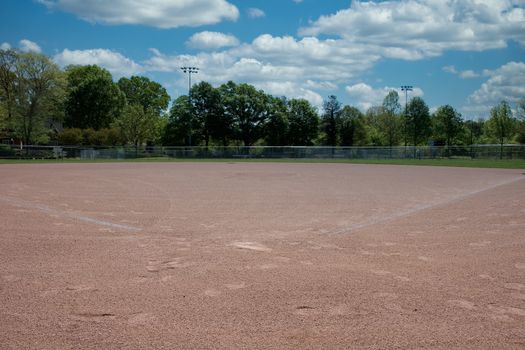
[267, 152]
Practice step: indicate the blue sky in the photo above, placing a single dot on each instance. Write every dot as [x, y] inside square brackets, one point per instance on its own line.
[468, 53]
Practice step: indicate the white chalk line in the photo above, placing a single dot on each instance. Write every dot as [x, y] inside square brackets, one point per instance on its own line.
[48, 210]
[351, 228]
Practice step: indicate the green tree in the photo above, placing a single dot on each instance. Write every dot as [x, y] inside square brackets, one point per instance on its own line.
[152, 96]
[94, 100]
[447, 125]
[521, 121]
[208, 117]
[473, 131]
[277, 124]
[8, 63]
[501, 124]
[36, 90]
[418, 122]
[138, 125]
[248, 109]
[332, 110]
[374, 132]
[303, 123]
[178, 129]
[351, 127]
[389, 121]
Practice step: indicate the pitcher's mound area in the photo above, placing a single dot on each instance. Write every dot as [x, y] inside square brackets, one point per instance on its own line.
[261, 256]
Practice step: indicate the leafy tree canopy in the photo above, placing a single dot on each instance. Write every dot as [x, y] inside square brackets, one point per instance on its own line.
[152, 96]
[93, 100]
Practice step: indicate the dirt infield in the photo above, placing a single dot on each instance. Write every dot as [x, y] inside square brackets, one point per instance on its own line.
[261, 256]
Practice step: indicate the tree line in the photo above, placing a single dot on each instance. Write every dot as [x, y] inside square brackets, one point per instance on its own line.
[41, 103]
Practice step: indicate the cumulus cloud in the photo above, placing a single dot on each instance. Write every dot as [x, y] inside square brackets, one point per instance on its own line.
[328, 60]
[505, 83]
[29, 46]
[113, 61]
[416, 29]
[466, 74]
[220, 67]
[212, 40]
[5, 46]
[255, 13]
[155, 13]
[365, 96]
[279, 65]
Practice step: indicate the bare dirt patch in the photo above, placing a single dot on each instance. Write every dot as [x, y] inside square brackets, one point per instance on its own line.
[261, 255]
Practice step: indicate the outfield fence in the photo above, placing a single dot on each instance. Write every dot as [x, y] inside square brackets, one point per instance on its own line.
[269, 152]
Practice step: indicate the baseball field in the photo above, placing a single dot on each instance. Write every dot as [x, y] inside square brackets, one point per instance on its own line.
[261, 256]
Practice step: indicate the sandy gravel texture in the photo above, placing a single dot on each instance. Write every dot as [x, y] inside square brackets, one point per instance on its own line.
[261, 256]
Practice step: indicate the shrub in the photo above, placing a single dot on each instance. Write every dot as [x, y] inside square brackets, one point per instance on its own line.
[71, 137]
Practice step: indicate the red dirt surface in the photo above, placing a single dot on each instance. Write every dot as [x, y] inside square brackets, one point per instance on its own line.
[261, 256]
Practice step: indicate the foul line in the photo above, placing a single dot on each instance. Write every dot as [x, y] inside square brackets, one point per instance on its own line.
[48, 210]
[409, 212]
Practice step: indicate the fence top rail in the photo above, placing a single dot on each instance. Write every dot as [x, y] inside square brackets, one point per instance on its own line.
[81, 147]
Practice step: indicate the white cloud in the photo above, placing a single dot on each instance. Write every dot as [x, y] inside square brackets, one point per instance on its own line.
[113, 61]
[220, 67]
[255, 13]
[505, 83]
[416, 29]
[297, 1]
[315, 59]
[29, 46]
[155, 13]
[466, 74]
[5, 46]
[279, 65]
[212, 40]
[450, 69]
[365, 96]
[291, 90]
[321, 85]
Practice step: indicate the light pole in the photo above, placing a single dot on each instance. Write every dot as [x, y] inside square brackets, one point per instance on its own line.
[190, 71]
[406, 89]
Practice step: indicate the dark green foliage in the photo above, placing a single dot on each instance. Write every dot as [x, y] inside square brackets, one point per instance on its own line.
[248, 108]
[303, 123]
[89, 137]
[332, 109]
[447, 125]
[178, 129]
[351, 127]
[71, 136]
[277, 124]
[94, 100]
[208, 117]
[419, 125]
[142, 91]
[473, 131]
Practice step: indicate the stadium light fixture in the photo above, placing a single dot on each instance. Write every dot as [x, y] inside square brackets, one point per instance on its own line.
[190, 71]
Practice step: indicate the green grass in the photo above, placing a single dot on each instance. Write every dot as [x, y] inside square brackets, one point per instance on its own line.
[470, 163]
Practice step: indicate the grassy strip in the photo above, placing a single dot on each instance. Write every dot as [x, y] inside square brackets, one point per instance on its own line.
[470, 163]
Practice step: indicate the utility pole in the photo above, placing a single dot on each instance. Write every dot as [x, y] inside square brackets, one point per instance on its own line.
[190, 71]
[406, 89]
